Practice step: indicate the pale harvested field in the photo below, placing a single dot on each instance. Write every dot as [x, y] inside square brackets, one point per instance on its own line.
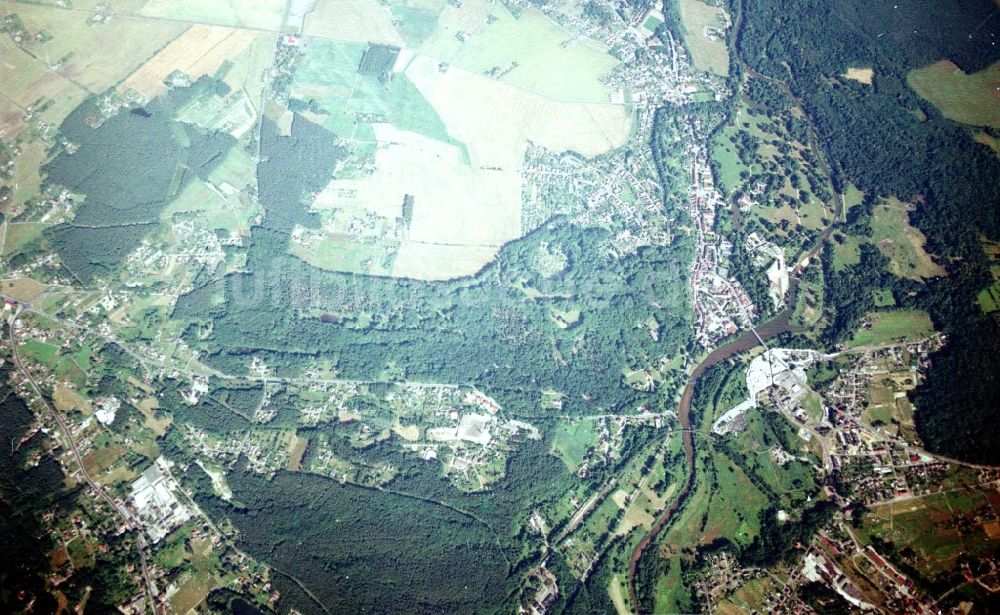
[861, 75]
[22, 289]
[634, 517]
[550, 60]
[410, 433]
[102, 54]
[439, 262]
[66, 399]
[264, 14]
[464, 100]
[352, 20]
[706, 54]
[25, 80]
[199, 51]
[452, 202]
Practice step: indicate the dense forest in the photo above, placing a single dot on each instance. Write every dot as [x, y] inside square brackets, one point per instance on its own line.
[127, 169]
[484, 331]
[496, 330]
[888, 141]
[31, 484]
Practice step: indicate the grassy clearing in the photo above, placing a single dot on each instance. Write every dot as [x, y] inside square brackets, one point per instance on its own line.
[571, 442]
[989, 299]
[618, 591]
[237, 170]
[415, 23]
[847, 252]
[971, 99]
[896, 325]
[730, 165]
[707, 54]
[40, 352]
[296, 451]
[732, 512]
[901, 243]
[992, 142]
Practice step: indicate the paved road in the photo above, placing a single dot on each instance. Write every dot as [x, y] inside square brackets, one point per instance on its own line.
[150, 592]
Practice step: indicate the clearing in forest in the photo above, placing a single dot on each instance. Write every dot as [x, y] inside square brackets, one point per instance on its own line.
[704, 33]
[861, 75]
[971, 99]
[901, 242]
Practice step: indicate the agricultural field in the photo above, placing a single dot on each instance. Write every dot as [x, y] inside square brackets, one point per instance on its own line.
[530, 51]
[199, 51]
[461, 98]
[933, 532]
[94, 56]
[19, 234]
[353, 20]
[969, 99]
[708, 51]
[420, 129]
[26, 82]
[423, 261]
[262, 14]
[895, 325]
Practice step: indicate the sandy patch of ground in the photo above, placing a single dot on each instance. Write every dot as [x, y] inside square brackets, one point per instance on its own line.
[861, 75]
[157, 425]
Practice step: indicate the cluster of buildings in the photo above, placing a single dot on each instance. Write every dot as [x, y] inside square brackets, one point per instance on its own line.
[195, 244]
[153, 503]
[881, 456]
[722, 307]
[263, 450]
